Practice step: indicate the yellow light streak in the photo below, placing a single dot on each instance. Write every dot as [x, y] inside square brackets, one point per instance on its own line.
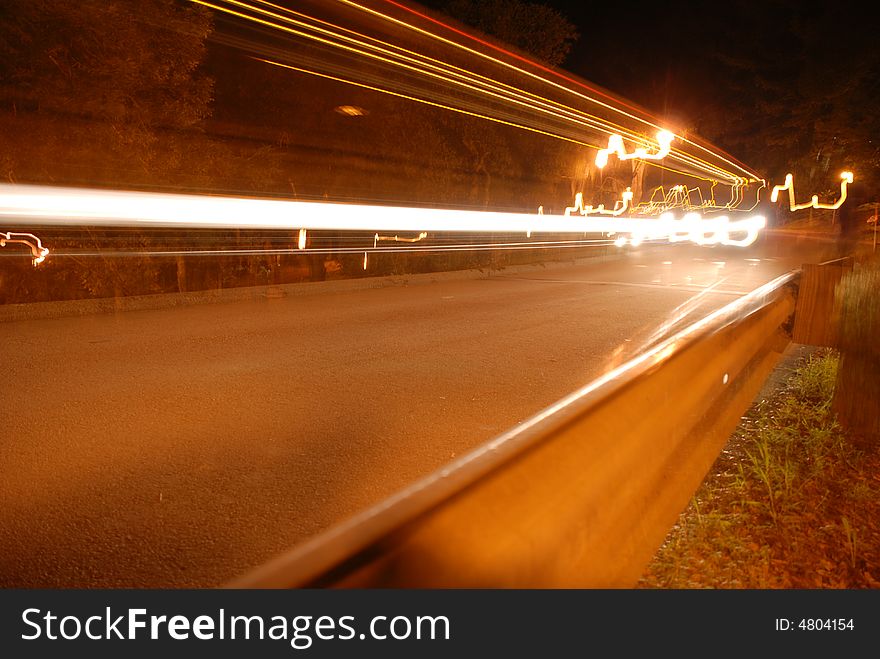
[620, 207]
[615, 145]
[38, 252]
[681, 196]
[676, 197]
[846, 177]
[542, 79]
[392, 54]
[335, 249]
[398, 239]
[386, 60]
[387, 53]
[431, 103]
[463, 111]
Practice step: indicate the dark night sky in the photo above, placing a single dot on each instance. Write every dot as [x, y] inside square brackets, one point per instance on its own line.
[646, 54]
[780, 83]
[649, 53]
[665, 55]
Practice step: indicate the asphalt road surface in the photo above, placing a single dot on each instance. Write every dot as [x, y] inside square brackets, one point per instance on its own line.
[181, 447]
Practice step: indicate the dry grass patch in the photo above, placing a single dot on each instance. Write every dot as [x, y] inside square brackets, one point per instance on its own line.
[790, 503]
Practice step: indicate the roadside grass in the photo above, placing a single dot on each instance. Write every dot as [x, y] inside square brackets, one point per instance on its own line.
[790, 502]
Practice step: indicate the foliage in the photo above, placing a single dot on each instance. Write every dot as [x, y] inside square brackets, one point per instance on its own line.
[858, 295]
[532, 27]
[784, 86]
[131, 63]
[857, 394]
[119, 70]
[116, 93]
[799, 87]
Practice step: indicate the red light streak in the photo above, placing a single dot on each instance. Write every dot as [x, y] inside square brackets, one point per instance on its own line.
[520, 58]
[393, 54]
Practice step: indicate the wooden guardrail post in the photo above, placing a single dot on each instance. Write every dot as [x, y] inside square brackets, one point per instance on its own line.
[857, 390]
[817, 318]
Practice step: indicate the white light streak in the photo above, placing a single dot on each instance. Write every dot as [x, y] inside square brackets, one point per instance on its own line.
[43, 205]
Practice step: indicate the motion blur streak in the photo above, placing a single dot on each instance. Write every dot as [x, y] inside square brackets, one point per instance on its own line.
[398, 239]
[302, 26]
[31, 241]
[846, 177]
[48, 205]
[615, 145]
[619, 207]
[423, 249]
[614, 108]
[390, 54]
[624, 352]
[427, 102]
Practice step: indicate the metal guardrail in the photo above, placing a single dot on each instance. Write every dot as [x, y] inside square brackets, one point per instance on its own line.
[580, 495]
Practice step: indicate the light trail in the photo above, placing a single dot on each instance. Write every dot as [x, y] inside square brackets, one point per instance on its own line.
[846, 177]
[506, 52]
[43, 205]
[619, 207]
[398, 239]
[38, 252]
[365, 46]
[427, 102]
[751, 175]
[585, 122]
[629, 349]
[679, 196]
[412, 249]
[388, 51]
[410, 60]
[615, 146]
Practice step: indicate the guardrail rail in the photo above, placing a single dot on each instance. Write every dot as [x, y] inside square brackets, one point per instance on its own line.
[579, 496]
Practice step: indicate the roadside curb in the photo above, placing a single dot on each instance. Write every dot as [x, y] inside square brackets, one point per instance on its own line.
[268, 293]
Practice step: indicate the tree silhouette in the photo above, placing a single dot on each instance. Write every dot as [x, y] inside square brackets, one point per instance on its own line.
[532, 27]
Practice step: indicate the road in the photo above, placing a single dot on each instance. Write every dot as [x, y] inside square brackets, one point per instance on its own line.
[180, 447]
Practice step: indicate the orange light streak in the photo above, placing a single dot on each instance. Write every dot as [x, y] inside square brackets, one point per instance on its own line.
[738, 166]
[846, 177]
[412, 61]
[398, 239]
[38, 252]
[615, 145]
[620, 207]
